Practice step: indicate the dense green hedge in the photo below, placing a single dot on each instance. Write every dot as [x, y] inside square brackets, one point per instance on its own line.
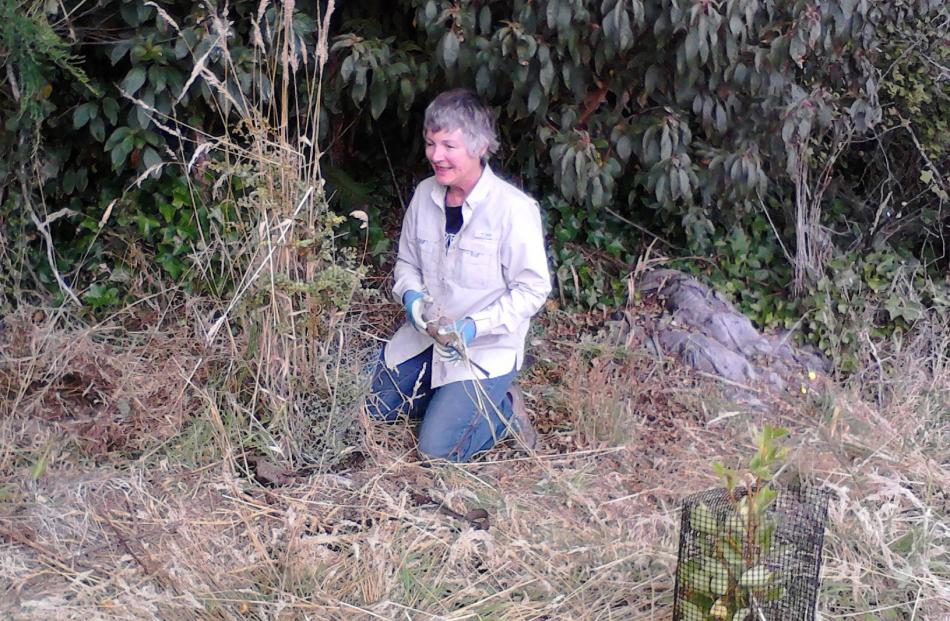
[688, 118]
[113, 104]
[631, 120]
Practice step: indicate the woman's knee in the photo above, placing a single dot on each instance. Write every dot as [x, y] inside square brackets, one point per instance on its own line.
[441, 439]
[433, 447]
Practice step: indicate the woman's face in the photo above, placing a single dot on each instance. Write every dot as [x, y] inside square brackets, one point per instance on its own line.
[454, 166]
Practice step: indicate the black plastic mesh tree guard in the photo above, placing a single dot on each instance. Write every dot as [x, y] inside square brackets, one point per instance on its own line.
[733, 568]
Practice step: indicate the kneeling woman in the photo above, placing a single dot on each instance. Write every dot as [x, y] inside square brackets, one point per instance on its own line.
[471, 272]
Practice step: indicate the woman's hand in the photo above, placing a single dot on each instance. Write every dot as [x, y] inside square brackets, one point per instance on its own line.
[461, 333]
[414, 301]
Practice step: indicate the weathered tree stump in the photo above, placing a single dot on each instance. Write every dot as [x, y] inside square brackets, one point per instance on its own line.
[707, 333]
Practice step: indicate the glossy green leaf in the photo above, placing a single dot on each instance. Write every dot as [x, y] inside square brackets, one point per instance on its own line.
[449, 48]
[359, 85]
[111, 109]
[134, 80]
[168, 211]
[120, 152]
[546, 72]
[150, 157]
[347, 68]
[377, 97]
[625, 147]
[692, 44]
[534, 98]
[692, 612]
[82, 113]
[406, 92]
[526, 48]
[756, 577]
[97, 129]
[483, 80]
[484, 20]
[119, 50]
[564, 14]
[666, 144]
[117, 136]
[702, 519]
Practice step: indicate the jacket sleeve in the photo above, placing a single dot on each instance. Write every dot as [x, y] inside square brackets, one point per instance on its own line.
[525, 264]
[408, 273]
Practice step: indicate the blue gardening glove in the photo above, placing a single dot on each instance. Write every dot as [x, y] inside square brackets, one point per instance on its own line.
[413, 302]
[463, 333]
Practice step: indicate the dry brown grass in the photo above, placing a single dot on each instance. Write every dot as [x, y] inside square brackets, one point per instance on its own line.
[104, 388]
[584, 529]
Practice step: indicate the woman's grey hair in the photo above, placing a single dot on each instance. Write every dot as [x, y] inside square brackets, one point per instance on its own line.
[462, 109]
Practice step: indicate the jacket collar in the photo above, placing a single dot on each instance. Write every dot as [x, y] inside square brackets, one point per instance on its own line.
[476, 197]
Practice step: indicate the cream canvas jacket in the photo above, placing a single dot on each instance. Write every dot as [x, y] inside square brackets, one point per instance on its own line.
[495, 270]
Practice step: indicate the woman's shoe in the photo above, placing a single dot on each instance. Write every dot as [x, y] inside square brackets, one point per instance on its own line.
[521, 426]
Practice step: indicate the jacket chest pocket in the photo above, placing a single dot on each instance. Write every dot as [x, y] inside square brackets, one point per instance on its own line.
[430, 257]
[478, 263]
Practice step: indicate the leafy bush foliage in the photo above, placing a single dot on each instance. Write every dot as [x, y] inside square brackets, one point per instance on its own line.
[687, 107]
[749, 264]
[126, 135]
[686, 117]
[907, 176]
[692, 121]
[869, 296]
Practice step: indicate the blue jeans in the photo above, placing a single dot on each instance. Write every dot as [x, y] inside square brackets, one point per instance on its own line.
[458, 419]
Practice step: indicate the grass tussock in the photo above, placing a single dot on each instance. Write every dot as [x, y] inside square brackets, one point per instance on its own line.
[103, 389]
